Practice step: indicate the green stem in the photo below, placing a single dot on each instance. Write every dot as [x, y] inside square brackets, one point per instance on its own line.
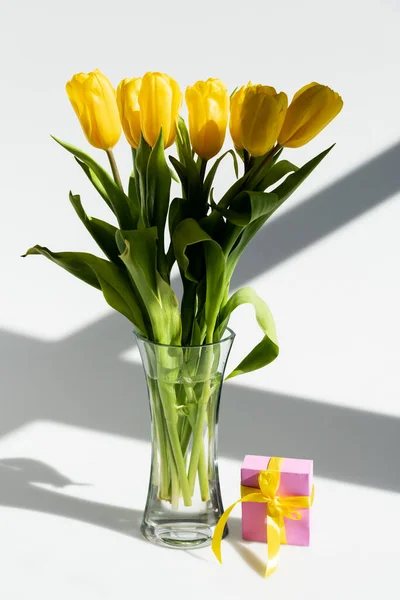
[203, 475]
[202, 463]
[162, 442]
[168, 402]
[230, 236]
[203, 167]
[185, 435]
[175, 487]
[133, 151]
[197, 440]
[200, 419]
[256, 177]
[246, 158]
[114, 169]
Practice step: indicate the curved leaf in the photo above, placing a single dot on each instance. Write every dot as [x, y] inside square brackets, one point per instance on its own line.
[267, 350]
[122, 206]
[102, 232]
[291, 183]
[182, 142]
[178, 211]
[103, 275]
[158, 185]
[212, 172]
[248, 206]
[139, 254]
[275, 173]
[90, 174]
[283, 191]
[194, 248]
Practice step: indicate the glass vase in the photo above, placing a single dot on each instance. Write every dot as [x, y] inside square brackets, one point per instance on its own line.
[184, 387]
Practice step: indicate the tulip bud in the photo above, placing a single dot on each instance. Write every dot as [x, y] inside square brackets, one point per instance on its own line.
[128, 106]
[312, 108]
[208, 105]
[159, 100]
[263, 112]
[235, 121]
[257, 114]
[93, 100]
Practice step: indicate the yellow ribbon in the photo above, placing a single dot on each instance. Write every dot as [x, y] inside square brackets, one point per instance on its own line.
[277, 509]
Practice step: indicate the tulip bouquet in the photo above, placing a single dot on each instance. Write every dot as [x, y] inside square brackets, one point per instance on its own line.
[207, 235]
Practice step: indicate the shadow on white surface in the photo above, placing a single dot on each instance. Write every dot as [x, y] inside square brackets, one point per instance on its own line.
[20, 480]
[245, 553]
[321, 214]
[18, 488]
[81, 381]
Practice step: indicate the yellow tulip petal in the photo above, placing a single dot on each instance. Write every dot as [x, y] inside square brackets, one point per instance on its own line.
[313, 107]
[159, 100]
[208, 106]
[261, 116]
[235, 127]
[129, 110]
[93, 100]
[303, 89]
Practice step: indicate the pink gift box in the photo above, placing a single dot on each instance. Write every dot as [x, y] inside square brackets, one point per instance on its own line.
[296, 480]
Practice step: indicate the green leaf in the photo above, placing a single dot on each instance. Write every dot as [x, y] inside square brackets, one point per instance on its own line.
[133, 187]
[121, 205]
[250, 206]
[141, 161]
[174, 176]
[95, 181]
[158, 185]
[101, 274]
[261, 165]
[192, 189]
[275, 173]
[181, 171]
[102, 232]
[178, 211]
[264, 352]
[211, 174]
[283, 191]
[182, 142]
[292, 182]
[187, 238]
[139, 254]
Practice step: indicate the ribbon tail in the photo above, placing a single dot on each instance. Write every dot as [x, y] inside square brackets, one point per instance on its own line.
[274, 544]
[219, 531]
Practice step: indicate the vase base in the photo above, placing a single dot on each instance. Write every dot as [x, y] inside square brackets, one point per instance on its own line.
[184, 536]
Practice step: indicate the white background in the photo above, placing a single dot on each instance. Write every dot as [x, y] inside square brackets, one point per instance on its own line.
[73, 408]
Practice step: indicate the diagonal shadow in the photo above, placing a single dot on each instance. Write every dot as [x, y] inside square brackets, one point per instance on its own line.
[322, 214]
[18, 489]
[80, 381]
[18, 477]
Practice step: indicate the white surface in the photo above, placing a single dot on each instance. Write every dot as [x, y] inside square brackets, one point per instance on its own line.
[72, 404]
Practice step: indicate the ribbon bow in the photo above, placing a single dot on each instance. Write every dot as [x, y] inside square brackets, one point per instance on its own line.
[277, 509]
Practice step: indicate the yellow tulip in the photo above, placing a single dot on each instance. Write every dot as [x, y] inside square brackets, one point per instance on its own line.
[235, 120]
[312, 108]
[93, 100]
[262, 114]
[159, 100]
[129, 111]
[208, 105]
